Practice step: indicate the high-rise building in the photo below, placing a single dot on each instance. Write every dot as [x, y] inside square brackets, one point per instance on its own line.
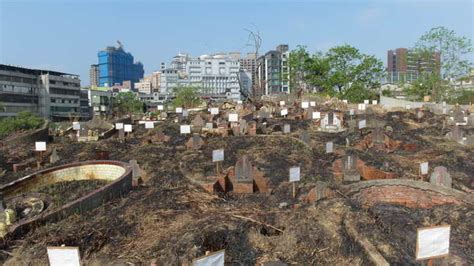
[94, 75]
[116, 66]
[249, 64]
[404, 65]
[273, 72]
[51, 94]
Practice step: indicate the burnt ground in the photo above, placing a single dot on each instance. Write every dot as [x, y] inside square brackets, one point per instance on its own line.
[171, 220]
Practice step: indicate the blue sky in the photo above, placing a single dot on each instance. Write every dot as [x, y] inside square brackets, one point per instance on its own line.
[66, 35]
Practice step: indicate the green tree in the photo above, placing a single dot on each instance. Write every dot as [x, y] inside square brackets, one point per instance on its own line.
[186, 96]
[453, 50]
[299, 61]
[23, 121]
[127, 102]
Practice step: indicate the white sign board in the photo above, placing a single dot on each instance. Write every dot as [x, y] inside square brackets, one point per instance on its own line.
[76, 126]
[214, 111]
[118, 126]
[217, 156]
[282, 103]
[149, 124]
[362, 124]
[284, 112]
[213, 259]
[40, 146]
[179, 110]
[424, 168]
[233, 118]
[239, 102]
[361, 106]
[160, 107]
[344, 101]
[374, 102]
[304, 105]
[432, 242]
[185, 113]
[209, 125]
[185, 129]
[329, 147]
[64, 256]
[312, 104]
[127, 128]
[316, 115]
[294, 174]
[366, 101]
[351, 112]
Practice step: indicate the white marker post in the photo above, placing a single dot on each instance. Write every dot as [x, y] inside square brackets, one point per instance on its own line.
[284, 112]
[118, 126]
[179, 110]
[423, 169]
[63, 256]
[312, 104]
[345, 101]
[316, 115]
[329, 147]
[217, 156]
[211, 259]
[40, 146]
[160, 107]
[185, 129]
[374, 102]
[366, 102]
[76, 126]
[233, 118]
[149, 124]
[294, 177]
[304, 105]
[214, 111]
[432, 242]
[282, 103]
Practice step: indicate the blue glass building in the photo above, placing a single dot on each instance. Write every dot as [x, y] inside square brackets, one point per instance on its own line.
[116, 66]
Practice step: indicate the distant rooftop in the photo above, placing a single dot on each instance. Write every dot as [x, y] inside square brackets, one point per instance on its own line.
[32, 71]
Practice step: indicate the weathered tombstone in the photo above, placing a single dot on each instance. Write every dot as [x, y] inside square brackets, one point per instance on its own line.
[135, 169]
[243, 169]
[185, 113]
[378, 138]
[163, 115]
[54, 156]
[458, 115]
[350, 168]
[235, 129]
[197, 122]
[286, 129]
[305, 137]
[209, 125]
[456, 134]
[263, 114]
[470, 120]
[252, 128]
[243, 127]
[195, 142]
[121, 134]
[424, 167]
[440, 176]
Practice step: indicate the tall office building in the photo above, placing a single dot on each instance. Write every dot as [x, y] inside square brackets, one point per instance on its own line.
[249, 64]
[273, 72]
[117, 66]
[404, 65]
[94, 76]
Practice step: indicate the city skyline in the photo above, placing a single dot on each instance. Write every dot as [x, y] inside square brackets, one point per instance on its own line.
[155, 32]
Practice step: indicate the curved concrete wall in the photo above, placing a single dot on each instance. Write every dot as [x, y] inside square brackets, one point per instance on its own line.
[119, 173]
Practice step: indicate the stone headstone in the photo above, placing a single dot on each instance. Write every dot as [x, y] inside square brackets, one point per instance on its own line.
[163, 115]
[243, 169]
[440, 176]
[198, 121]
[185, 113]
[286, 129]
[456, 134]
[458, 115]
[243, 127]
[350, 168]
[236, 129]
[470, 120]
[54, 156]
[252, 128]
[263, 113]
[121, 134]
[378, 138]
[195, 142]
[329, 147]
[305, 137]
[135, 169]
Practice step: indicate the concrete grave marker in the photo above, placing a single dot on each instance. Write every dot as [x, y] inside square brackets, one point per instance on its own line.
[366, 102]
[329, 147]
[284, 112]
[217, 155]
[424, 168]
[211, 259]
[118, 126]
[135, 169]
[53, 158]
[64, 256]
[374, 102]
[179, 110]
[185, 113]
[233, 117]
[197, 121]
[286, 129]
[295, 174]
[432, 242]
[214, 111]
[209, 125]
[362, 124]
[76, 126]
[351, 112]
[243, 169]
[350, 168]
[441, 177]
[195, 142]
[127, 128]
[121, 134]
[282, 103]
[163, 115]
[312, 103]
[40, 146]
[185, 129]
[243, 126]
[305, 137]
[149, 124]
[304, 105]
[316, 115]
